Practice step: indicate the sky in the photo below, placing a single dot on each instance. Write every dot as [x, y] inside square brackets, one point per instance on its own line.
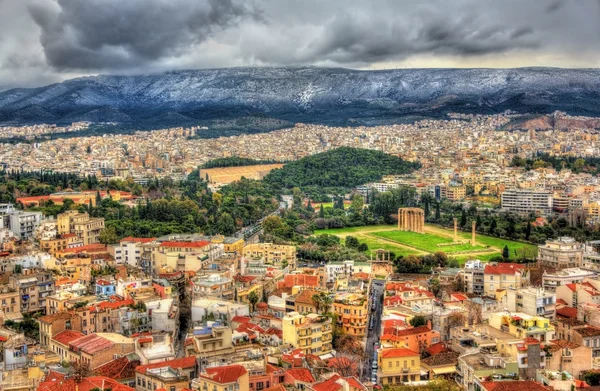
[47, 41]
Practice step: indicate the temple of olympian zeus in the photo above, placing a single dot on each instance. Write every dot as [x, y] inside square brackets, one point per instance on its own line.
[411, 219]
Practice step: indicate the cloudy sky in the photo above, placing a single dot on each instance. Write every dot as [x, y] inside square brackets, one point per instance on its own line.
[44, 41]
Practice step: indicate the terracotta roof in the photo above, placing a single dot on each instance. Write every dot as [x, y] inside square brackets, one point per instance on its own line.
[119, 369]
[515, 385]
[437, 348]
[241, 319]
[85, 248]
[561, 301]
[111, 304]
[354, 382]
[137, 240]
[67, 336]
[342, 362]
[305, 297]
[449, 358]
[224, 375]
[330, 384]
[397, 352]
[56, 382]
[63, 315]
[563, 343]
[588, 331]
[405, 332]
[301, 374]
[567, 312]
[91, 344]
[186, 362]
[572, 286]
[198, 244]
[503, 268]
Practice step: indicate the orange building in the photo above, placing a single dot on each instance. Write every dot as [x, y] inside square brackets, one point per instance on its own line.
[417, 339]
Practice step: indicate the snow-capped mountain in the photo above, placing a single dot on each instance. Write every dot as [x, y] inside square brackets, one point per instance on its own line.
[321, 95]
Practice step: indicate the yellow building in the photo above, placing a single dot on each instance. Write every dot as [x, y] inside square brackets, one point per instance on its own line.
[63, 242]
[225, 378]
[352, 313]
[271, 254]
[311, 333]
[456, 193]
[398, 365]
[86, 228]
[230, 244]
[523, 326]
[174, 375]
[243, 292]
[503, 276]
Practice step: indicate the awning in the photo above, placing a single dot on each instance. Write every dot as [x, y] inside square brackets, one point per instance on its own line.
[326, 356]
[444, 370]
[424, 373]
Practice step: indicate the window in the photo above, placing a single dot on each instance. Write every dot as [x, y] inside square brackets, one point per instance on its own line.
[389, 364]
[172, 388]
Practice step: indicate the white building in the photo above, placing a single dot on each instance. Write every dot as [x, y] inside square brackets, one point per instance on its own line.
[23, 224]
[473, 276]
[336, 269]
[565, 276]
[561, 253]
[527, 200]
[531, 301]
[221, 309]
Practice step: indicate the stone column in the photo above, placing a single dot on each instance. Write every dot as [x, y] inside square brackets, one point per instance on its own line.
[455, 229]
[473, 233]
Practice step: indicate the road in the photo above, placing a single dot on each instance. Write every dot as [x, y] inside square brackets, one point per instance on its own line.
[377, 287]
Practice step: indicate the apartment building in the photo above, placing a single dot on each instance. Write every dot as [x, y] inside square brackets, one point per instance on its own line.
[60, 243]
[398, 366]
[23, 224]
[272, 254]
[335, 269]
[352, 310]
[51, 325]
[214, 340]
[523, 326]
[225, 378]
[561, 253]
[550, 281]
[10, 302]
[591, 256]
[503, 276]
[128, 251]
[526, 201]
[172, 375]
[86, 228]
[473, 276]
[531, 301]
[311, 333]
[416, 339]
[456, 192]
[33, 288]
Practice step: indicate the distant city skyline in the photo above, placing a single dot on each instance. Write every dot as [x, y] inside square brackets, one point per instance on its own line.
[46, 41]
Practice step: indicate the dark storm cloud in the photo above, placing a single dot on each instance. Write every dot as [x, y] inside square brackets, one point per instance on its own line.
[114, 34]
[49, 40]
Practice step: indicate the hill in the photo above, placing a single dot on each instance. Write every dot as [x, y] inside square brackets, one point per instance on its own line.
[340, 168]
[250, 99]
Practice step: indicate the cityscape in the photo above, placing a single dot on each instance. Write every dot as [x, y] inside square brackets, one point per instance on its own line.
[299, 196]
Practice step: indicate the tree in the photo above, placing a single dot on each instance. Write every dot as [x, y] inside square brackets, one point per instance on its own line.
[351, 242]
[357, 203]
[18, 269]
[88, 149]
[438, 215]
[492, 229]
[272, 224]
[505, 252]
[528, 231]
[463, 218]
[108, 235]
[322, 212]
[253, 299]
[322, 302]
[226, 224]
[434, 286]
[417, 321]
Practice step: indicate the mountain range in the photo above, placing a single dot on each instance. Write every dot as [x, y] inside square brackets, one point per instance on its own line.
[255, 98]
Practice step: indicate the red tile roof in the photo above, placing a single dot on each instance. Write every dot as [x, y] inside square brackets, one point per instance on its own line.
[567, 312]
[137, 240]
[91, 344]
[56, 382]
[301, 374]
[330, 384]
[354, 382]
[515, 385]
[198, 244]
[397, 352]
[224, 375]
[57, 316]
[561, 301]
[503, 268]
[67, 336]
[437, 348]
[119, 369]
[96, 247]
[186, 362]
[111, 304]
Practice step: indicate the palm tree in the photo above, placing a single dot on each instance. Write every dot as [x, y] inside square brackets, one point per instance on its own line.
[322, 302]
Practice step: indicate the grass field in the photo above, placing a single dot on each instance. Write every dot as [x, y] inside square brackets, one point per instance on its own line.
[404, 243]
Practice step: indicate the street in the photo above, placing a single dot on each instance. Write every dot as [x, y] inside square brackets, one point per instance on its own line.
[377, 287]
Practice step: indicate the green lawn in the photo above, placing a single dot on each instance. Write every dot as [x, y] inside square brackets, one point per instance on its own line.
[426, 242]
[376, 244]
